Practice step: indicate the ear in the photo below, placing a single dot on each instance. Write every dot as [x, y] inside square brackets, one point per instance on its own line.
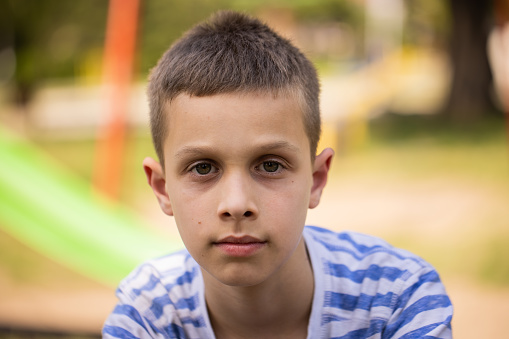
[320, 172]
[156, 180]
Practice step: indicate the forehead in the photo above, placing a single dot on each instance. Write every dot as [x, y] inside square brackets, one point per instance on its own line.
[226, 120]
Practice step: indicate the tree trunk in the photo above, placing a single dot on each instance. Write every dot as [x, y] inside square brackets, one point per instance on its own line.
[470, 97]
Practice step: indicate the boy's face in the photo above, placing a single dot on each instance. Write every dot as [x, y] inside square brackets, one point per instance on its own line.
[239, 181]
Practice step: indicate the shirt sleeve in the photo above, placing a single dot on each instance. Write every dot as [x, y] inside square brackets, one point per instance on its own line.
[128, 322]
[422, 310]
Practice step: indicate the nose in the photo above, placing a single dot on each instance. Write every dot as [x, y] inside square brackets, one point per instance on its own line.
[237, 197]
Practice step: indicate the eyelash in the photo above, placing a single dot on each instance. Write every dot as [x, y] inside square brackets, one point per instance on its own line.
[281, 167]
[193, 169]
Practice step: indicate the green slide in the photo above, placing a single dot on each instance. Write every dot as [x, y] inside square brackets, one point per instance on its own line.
[56, 213]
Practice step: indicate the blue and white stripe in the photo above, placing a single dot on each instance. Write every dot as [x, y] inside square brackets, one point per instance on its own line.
[364, 288]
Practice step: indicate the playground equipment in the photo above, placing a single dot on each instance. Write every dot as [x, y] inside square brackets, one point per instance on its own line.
[56, 213]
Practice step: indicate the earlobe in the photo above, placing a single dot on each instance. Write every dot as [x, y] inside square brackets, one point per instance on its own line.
[156, 180]
[320, 172]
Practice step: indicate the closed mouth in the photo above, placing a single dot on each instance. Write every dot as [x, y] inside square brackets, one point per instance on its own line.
[240, 247]
[239, 240]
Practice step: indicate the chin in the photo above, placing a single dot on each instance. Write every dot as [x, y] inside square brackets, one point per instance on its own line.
[240, 281]
[238, 278]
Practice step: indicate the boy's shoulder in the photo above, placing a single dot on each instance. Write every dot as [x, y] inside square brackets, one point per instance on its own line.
[356, 264]
[174, 275]
[353, 248]
[161, 294]
[365, 285]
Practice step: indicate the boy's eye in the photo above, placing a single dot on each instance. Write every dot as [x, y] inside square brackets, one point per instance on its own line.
[203, 168]
[271, 166]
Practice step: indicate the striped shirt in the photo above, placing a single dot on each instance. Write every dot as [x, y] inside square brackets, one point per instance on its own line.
[364, 288]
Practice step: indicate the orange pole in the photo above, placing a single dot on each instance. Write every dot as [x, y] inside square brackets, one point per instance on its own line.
[117, 72]
[502, 19]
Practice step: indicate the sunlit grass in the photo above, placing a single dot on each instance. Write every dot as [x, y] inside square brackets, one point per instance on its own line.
[412, 150]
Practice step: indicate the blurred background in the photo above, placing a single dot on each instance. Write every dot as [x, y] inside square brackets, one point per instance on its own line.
[415, 96]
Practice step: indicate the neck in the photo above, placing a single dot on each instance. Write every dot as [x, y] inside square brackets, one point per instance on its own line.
[277, 307]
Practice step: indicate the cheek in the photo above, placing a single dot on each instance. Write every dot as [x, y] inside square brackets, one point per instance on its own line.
[189, 212]
[289, 206]
[299, 192]
[184, 200]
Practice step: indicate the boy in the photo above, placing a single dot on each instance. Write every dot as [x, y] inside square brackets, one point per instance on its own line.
[235, 123]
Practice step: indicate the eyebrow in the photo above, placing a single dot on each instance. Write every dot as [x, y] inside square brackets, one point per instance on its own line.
[192, 151]
[187, 151]
[276, 145]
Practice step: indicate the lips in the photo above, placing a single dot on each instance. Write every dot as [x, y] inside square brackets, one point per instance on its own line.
[243, 246]
[239, 240]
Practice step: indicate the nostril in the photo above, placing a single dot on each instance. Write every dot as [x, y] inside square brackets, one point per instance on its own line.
[246, 214]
